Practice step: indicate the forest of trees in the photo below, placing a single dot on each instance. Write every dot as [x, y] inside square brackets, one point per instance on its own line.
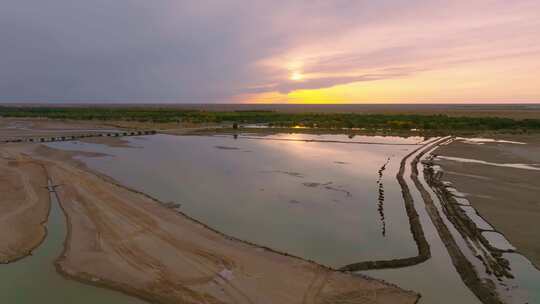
[281, 119]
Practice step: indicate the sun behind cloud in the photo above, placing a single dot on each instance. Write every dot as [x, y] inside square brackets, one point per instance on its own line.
[296, 76]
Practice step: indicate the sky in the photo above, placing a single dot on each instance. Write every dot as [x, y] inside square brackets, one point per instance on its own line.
[312, 51]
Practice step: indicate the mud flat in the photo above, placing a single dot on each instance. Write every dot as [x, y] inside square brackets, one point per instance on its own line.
[125, 240]
[497, 261]
[505, 196]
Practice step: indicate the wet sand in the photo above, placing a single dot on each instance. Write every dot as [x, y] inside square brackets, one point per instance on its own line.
[121, 239]
[506, 197]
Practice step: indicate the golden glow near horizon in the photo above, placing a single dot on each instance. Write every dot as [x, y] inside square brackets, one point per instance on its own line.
[512, 79]
[469, 53]
[272, 51]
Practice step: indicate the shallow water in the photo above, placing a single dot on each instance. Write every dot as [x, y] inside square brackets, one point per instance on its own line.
[34, 279]
[317, 200]
[357, 139]
[435, 279]
[220, 183]
[524, 287]
[528, 279]
[318, 197]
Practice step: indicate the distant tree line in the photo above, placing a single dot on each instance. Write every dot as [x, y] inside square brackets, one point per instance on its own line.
[277, 119]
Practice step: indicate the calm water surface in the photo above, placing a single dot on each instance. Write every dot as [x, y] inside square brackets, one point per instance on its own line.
[316, 196]
[317, 200]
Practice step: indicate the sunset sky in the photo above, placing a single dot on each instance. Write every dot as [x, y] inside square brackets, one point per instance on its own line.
[340, 51]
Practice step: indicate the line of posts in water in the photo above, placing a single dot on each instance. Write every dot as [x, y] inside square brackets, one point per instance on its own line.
[76, 136]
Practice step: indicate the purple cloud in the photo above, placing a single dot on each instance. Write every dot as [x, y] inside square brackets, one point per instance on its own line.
[211, 51]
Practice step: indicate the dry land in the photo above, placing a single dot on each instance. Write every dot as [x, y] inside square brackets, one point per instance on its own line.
[506, 197]
[24, 205]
